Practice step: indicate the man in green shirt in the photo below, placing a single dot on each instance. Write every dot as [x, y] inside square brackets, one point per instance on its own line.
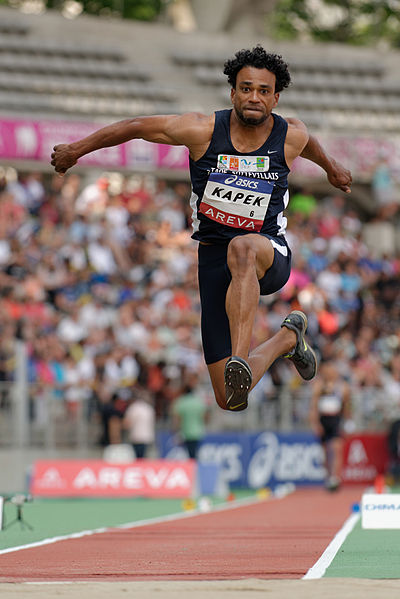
[189, 417]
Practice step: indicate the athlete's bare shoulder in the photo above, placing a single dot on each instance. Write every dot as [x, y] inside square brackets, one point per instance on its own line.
[198, 119]
[295, 123]
[191, 129]
[297, 130]
[296, 139]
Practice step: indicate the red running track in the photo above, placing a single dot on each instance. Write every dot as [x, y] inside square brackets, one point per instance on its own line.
[277, 538]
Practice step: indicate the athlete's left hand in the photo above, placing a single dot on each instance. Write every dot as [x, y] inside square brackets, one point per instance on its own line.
[63, 157]
[339, 176]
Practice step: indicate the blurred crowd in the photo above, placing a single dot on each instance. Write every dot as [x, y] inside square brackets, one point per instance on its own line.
[99, 279]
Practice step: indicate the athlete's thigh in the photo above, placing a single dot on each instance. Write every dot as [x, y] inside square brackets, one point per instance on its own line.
[214, 280]
[262, 247]
[273, 259]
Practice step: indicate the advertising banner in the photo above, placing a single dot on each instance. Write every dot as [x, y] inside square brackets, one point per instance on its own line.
[359, 154]
[28, 139]
[365, 456]
[267, 459]
[380, 510]
[34, 140]
[256, 460]
[96, 478]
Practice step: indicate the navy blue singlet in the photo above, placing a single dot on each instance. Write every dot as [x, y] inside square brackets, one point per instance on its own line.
[234, 193]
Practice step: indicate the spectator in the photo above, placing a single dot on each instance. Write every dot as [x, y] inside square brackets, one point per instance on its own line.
[92, 201]
[151, 308]
[303, 203]
[70, 329]
[330, 403]
[139, 421]
[384, 188]
[190, 416]
[111, 409]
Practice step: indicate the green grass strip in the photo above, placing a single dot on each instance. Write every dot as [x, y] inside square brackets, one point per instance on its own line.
[57, 517]
[367, 553]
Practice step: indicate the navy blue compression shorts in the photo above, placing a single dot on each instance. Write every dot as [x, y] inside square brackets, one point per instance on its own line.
[214, 280]
[331, 427]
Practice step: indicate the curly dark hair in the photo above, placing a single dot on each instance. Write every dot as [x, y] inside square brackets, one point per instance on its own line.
[260, 59]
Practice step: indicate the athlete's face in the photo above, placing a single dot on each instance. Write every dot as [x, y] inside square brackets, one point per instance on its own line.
[254, 96]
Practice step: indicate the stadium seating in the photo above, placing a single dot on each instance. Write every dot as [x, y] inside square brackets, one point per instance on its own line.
[323, 91]
[49, 76]
[13, 27]
[49, 64]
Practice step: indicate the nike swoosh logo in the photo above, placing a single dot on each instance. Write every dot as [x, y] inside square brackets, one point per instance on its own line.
[238, 406]
[272, 151]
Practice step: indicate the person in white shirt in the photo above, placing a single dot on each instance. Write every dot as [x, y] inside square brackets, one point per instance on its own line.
[139, 421]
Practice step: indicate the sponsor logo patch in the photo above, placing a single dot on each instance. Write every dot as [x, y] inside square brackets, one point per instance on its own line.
[243, 163]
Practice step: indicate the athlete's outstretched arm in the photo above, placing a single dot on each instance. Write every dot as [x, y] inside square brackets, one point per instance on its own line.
[337, 174]
[191, 130]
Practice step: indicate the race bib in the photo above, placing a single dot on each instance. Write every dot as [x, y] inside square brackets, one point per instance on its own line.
[329, 405]
[236, 201]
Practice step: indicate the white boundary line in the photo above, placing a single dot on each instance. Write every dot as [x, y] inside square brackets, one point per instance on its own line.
[319, 568]
[157, 520]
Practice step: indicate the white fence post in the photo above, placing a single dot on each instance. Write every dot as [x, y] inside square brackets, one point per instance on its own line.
[21, 395]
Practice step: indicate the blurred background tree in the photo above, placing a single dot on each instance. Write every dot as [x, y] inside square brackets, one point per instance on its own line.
[362, 22]
[143, 10]
[358, 22]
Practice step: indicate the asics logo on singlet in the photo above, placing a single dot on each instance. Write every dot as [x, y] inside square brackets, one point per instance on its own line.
[241, 182]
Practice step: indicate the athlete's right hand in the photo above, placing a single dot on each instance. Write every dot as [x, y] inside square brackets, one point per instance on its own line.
[62, 158]
[339, 176]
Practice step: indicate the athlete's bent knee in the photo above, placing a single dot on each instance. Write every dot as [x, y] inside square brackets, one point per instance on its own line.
[241, 254]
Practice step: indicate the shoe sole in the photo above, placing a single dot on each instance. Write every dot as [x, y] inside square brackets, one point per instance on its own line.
[240, 372]
[309, 378]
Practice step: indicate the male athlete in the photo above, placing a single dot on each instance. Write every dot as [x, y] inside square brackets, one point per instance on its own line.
[239, 163]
